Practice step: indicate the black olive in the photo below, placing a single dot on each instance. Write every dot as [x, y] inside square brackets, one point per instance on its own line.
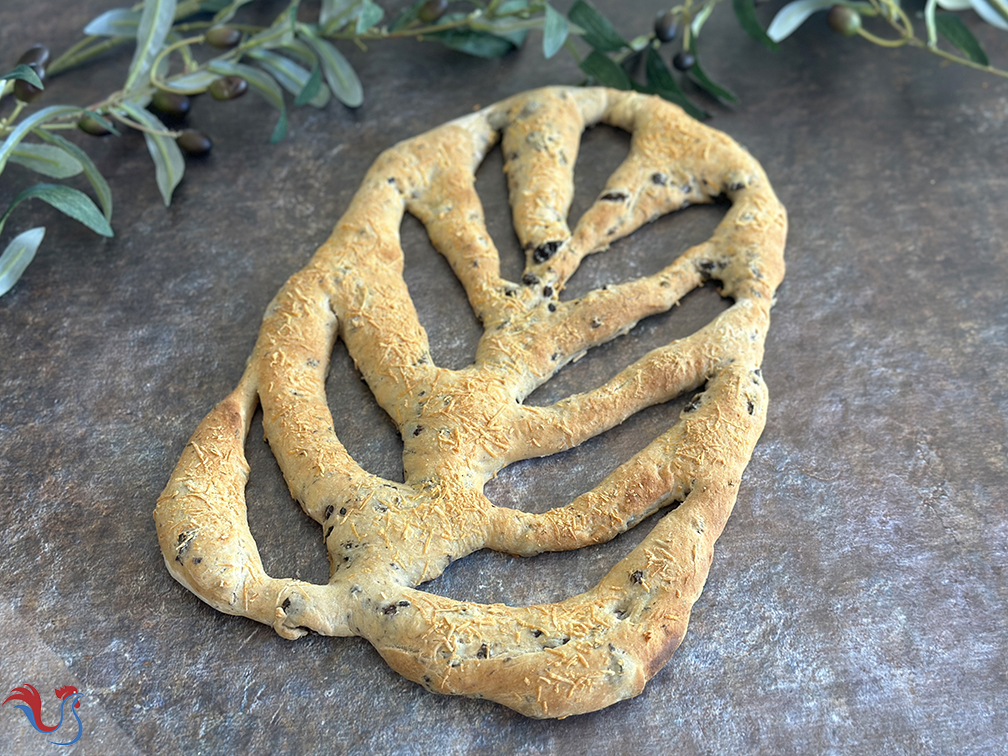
[91, 125]
[228, 88]
[36, 56]
[26, 91]
[684, 60]
[432, 10]
[170, 103]
[665, 27]
[194, 142]
[223, 37]
[844, 20]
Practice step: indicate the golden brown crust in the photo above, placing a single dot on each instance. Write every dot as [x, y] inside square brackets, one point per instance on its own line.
[460, 427]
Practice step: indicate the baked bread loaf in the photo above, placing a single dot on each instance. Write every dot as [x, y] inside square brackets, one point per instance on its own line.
[460, 427]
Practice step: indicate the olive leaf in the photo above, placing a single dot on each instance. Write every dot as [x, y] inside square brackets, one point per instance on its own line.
[954, 30]
[118, 22]
[555, 31]
[407, 17]
[169, 165]
[369, 15]
[700, 19]
[155, 23]
[224, 10]
[509, 26]
[192, 83]
[342, 79]
[66, 199]
[25, 73]
[796, 13]
[91, 171]
[335, 14]
[16, 257]
[596, 29]
[306, 86]
[605, 71]
[46, 159]
[745, 11]
[279, 34]
[662, 83]
[29, 123]
[512, 28]
[994, 12]
[312, 89]
[481, 44]
[302, 53]
[704, 81]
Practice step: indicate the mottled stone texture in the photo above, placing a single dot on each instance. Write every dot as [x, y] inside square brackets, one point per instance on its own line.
[858, 601]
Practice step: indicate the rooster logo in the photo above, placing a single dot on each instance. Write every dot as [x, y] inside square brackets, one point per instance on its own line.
[31, 705]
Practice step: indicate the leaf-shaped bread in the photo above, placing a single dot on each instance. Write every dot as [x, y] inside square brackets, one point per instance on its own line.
[460, 427]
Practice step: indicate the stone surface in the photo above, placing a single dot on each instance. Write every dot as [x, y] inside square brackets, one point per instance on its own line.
[858, 601]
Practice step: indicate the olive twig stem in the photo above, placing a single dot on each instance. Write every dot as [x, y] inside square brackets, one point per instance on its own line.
[73, 57]
[882, 41]
[59, 63]
[5, 122]
[905, 20]
[409, 31]
[929, 11]
[956, 59]
[193, 25]
[141, 127]
[168, 50]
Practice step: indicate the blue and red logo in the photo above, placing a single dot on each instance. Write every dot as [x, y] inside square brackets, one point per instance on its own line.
[31, 705]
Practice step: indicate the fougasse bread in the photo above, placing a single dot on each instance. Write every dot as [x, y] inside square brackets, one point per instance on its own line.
[460, 427]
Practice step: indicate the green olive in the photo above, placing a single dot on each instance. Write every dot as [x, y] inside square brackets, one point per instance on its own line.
[228, 88]
[91, 125]
[432, 10]
[170, 103]
[666, 26]
[194, 142]
[223, 37]
[844, 20]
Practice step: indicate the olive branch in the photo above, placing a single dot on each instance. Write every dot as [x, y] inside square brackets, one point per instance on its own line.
[190, 47]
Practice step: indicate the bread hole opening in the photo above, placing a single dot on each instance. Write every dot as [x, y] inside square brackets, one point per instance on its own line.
[488, 577]
[543, 483]
[362, 426]
[491, 186]
[647, 250]
[603, 148]
[440, 300]
[289, 541]
[694, 311]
